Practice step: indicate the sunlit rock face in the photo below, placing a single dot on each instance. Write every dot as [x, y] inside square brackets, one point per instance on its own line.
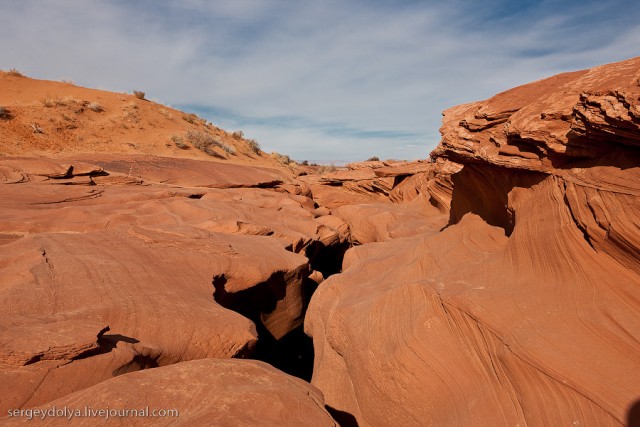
[522, 305]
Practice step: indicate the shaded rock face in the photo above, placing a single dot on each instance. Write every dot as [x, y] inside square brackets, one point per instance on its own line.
[524, 307]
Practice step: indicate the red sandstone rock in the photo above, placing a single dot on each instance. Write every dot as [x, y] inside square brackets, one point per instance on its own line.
[524, 309]
[204, 392]
[495, 285]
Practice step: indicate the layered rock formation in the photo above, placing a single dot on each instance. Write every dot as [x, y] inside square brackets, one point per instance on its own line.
[496, 283]
[524, 309]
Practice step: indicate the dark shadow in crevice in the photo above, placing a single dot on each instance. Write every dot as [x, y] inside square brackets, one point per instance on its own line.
[138, 363]
[326, 259]
[106, 344]
[633, 415]
[292, 354]
[343, 418]
[589, 150]
[398, 180]
[261, 298]
[484, 190]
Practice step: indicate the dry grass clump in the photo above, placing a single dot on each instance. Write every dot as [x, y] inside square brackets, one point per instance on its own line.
[94, 106]
[15, 73]
[138, 94]
[205, 142]
[191, 118]
[51, 101]
[253, 145]
[283, 158]
[327, 168]
[166, 113]
[4, 113]
[179, 142]
[373, 159]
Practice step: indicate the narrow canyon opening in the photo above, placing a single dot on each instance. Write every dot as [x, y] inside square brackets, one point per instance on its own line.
[292, 353]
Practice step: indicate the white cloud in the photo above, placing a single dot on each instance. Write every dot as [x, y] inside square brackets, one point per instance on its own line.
[361, 66]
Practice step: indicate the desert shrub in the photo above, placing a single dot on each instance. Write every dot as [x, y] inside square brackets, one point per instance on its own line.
[305, 163]
[179, 142]
[226, 148]
[49, 101]
[138, 94]
[253, 145]
[15, 73]
[282, 158]
[3, 113]
[238, 135]
[94, 106]
[327, 168]
[191, 118]
[166, 113]
[373, 159]
[205, 142]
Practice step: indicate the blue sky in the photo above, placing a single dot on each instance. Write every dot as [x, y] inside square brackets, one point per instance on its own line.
[321, 80]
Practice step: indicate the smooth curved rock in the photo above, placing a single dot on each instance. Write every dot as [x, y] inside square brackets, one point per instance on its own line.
[203, 392]
[525, 308]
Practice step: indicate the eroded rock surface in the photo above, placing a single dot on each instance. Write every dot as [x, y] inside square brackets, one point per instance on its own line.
[524, 309]
[203, 392]
[496, 283]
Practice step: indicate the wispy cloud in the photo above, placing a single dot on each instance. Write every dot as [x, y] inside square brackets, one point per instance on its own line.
[333, 80]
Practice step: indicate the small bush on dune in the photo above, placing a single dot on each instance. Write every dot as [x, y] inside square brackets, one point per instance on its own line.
[15, 73]
[94, 106]
[253, 145]
[166, 113]
[138, 94]
[238, 135]
[54, 101]
[205, 142]
[177, 140]
[282, 158]
[373, 159]
[3, 113]
[191, 118]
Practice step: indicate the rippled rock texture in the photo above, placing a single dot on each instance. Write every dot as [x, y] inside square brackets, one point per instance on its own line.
[524, 307]
[496, 283]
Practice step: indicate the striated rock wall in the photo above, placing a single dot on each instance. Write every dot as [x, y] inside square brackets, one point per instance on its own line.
[524, 308]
